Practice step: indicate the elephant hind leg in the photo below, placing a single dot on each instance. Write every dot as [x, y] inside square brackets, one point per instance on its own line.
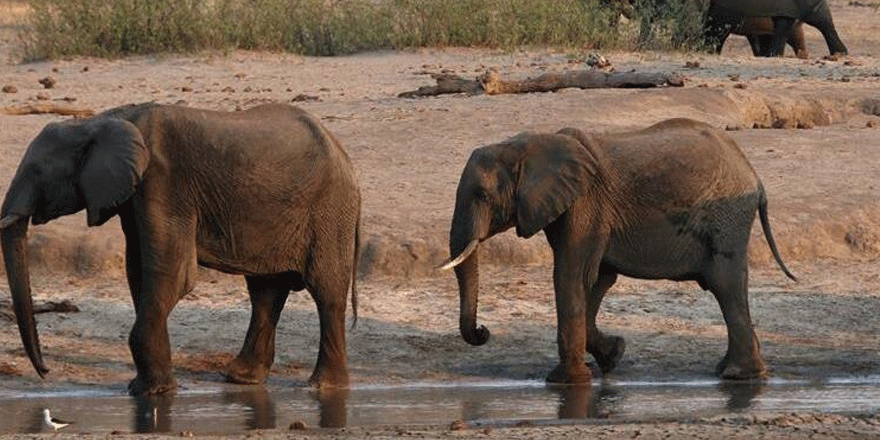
[606, 349]
[268, 295]
[727, 279]
[328, 283]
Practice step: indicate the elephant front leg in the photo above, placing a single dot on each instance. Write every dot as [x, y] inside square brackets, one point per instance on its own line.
[255, 359]
[571, 313]
[606, 349]
[160, 264]
[151, 351]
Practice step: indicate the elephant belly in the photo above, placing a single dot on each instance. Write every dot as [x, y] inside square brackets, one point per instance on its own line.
[247, 254]
[660, 250]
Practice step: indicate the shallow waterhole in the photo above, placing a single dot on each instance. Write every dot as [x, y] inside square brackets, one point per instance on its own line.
[229, 409]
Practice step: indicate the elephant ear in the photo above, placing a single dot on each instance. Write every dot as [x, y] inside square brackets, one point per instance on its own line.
[555, 171]
[114, 166]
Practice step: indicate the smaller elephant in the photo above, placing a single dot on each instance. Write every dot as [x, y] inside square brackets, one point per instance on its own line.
[267, 193]
[676, 201]
[759, 32]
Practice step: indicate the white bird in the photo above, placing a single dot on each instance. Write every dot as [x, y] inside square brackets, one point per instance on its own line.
[52, 422]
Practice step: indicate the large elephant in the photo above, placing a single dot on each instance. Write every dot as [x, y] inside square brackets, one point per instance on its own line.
[673, 201]
[267, 193]
[722, 15]
[766, 32]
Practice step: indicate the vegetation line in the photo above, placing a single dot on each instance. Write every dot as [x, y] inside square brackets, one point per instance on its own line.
[113, 28]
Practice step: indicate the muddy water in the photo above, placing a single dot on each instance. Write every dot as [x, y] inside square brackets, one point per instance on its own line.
[236, 409]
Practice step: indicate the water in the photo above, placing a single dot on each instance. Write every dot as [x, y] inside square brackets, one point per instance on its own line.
[233, 409]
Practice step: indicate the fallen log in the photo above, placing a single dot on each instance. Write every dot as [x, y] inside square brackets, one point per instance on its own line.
[491, 83]
[49, 107]
[64, 306]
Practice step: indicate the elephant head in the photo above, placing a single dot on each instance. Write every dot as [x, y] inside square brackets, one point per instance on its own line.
[94, 164]
[527, 182]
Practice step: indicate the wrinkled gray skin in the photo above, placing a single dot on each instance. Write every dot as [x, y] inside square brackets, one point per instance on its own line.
[266, 193]
[673, 201]
[786, 14]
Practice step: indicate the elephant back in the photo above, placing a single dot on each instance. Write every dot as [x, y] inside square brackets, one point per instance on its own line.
[765, 8]
[679, 159]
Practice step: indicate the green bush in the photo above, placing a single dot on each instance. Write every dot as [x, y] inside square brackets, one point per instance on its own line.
[112, 28]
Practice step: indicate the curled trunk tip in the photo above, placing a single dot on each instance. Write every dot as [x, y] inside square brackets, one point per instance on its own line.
[476, 336]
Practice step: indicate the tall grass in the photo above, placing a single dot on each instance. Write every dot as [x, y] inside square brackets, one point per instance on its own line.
[112, 28]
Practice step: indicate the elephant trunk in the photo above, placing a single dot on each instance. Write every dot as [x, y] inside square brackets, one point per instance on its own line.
[468, 274]
[15, 254]
[463, 243]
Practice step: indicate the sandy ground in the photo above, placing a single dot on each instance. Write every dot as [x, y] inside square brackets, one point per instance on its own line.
[821, 180]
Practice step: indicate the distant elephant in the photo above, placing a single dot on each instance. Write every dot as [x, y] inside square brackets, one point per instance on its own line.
[721, 20]
[759, 32]
[673, 201]
[267, 193]
[785, 14]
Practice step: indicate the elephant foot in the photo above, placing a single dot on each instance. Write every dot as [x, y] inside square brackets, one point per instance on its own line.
[139, 386]
[609, 352]
[245, 372]
[575, 375]
[737, 371]
[324, 377]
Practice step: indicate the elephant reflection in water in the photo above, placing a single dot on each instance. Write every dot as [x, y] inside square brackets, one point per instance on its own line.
[153, 413]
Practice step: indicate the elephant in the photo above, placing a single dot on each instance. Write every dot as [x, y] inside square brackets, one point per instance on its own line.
[675, 201]
[786, 15]
[759, 32]
[267, 193]
[757, 23]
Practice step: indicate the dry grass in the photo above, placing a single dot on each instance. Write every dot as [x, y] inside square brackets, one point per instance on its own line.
[13, 13]
[112, 28]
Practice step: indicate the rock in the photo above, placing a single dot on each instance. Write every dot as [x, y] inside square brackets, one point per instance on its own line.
[48, 82]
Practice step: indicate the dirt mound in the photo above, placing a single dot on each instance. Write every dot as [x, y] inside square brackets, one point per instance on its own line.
[761, 109]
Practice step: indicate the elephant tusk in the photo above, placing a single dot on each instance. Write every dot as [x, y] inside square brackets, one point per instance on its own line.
[8, 220]
[450, 263]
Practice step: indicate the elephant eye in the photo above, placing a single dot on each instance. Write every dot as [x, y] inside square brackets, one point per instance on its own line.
[481, 194]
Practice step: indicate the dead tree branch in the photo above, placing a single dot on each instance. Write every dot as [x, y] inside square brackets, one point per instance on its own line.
[49, 107]
[491, 83]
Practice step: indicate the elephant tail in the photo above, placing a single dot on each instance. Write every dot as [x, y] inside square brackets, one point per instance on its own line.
[354, 273]
[768, 234]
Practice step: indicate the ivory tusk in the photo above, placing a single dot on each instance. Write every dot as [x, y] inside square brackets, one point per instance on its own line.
[8, 220]
[450, 263]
